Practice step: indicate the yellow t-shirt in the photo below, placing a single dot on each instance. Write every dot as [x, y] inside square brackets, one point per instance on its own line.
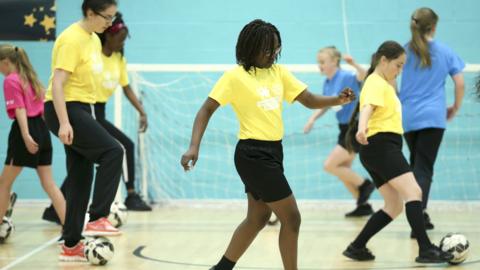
[387, 116]
[114, 74]
[257, 99]
[79, 53]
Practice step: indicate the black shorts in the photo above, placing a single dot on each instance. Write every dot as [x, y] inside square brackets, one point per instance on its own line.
[17, 153]
[343, 134]
[260, 166]
[382, 157]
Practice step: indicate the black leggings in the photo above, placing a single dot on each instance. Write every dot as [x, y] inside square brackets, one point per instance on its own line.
[128, 145]
[92, 144]
[423, 145]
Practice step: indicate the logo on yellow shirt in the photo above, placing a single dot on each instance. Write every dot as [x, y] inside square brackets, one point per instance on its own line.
[269, 103]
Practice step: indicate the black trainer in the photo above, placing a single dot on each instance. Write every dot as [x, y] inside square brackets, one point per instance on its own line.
[428, 222]
[365, 190]
[11, 204]
[134, 202]
[358, 254]
[361, 211]
[433, 255]
[50, 215]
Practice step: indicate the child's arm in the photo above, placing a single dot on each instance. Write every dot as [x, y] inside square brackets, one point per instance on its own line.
[365, 114]
[459, 83]
[21, 116]
[200, 124]
[312, 101]
[311, 121]
[361, 72]
[127, 90]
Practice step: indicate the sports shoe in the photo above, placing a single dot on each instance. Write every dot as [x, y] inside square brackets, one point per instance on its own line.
[50, 215]
[134, 202]
[273, 221]
[11, 204]
[73, 254]
[358, 254]
[428, 222]
[361, 211]
[433, 255]
[100, 227]
[365, 190]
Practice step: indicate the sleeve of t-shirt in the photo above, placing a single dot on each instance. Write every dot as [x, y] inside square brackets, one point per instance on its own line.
[292, 87]
[68, 57]
[373, 94]
[455, 64]
[123, 73]
[13, 92]
[222, 91]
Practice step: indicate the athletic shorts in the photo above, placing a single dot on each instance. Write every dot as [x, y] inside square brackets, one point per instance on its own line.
[260, 166]
[382, 157]
[17, 153]
[343, 134]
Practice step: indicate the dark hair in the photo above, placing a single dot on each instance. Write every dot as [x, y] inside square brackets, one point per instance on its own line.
[117, 25]
[255, 38]
[96, 5]
[422, 22]
[390, 50]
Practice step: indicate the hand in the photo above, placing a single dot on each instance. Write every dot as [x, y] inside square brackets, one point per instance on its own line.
[308, 126]
[65, 133]
[190, 155]
[142, 126]
[451, 112]
[346, 96]
[32, 146]
[349, 59]
[361, 137]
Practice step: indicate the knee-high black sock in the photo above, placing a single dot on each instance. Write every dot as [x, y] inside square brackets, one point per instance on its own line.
[376, 223]
[224, 264]
[414, 213]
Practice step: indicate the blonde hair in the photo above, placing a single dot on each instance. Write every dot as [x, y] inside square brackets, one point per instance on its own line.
[422, 22]
[333, 53]
[18, 57]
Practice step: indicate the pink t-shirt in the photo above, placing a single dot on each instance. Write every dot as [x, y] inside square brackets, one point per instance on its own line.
[16, 97]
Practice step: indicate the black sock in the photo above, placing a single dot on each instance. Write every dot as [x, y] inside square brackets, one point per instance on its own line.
[224, 264]
[414, 213]
[376, 223]
[70, 243]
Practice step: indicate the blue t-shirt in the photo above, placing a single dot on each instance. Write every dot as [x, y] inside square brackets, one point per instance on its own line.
[422, 90]
[334, 86]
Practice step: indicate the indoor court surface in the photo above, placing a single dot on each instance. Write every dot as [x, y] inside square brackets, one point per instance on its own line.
[189, 236]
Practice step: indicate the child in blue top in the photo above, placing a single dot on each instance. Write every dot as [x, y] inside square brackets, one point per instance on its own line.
[422, 94]
[339, 161]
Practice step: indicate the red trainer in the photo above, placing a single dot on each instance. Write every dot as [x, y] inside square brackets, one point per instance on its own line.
[100, 227]
[73, 254]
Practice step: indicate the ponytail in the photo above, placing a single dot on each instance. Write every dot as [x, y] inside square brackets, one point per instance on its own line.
[18, 57]
[422, 23]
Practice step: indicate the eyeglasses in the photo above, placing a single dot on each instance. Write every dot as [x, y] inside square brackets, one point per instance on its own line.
[269, 52]
[106, 17]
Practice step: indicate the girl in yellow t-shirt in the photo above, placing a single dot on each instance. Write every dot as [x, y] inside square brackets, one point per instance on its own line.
[114, 74]
[256, 89]
[380, 133]
[68, 114]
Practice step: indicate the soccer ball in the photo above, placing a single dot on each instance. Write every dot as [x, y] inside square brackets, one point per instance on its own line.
[456, 244]
[98, 250]
[118, 214]
[6, 228]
